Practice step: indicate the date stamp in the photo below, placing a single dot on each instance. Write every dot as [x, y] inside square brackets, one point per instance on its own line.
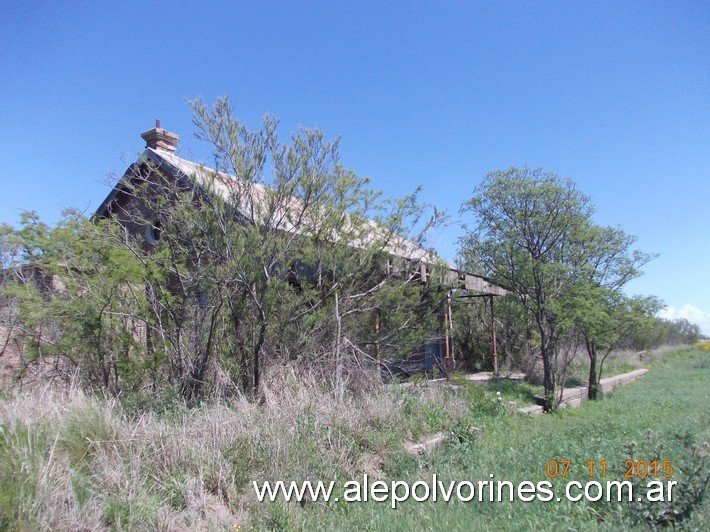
[640, 469]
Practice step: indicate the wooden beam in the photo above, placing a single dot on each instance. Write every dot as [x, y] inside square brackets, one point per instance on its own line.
[493, 332]
[377, 334]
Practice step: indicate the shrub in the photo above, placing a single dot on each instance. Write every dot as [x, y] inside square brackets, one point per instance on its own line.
[704, 345]
[692, 471]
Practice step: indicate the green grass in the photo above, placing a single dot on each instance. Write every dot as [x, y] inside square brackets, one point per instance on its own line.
[520, 393]
[665, 415]
[21, 460]
[72, 461]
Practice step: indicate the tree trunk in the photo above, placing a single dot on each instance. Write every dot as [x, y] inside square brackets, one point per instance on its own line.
[241, 353]
[593, 385]
[548, 380]
[548, 369]
[257, 349]
[338, 332]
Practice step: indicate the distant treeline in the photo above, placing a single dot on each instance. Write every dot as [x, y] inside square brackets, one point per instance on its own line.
[660, 331]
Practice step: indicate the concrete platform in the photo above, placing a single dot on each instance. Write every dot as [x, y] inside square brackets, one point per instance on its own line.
[575, 396]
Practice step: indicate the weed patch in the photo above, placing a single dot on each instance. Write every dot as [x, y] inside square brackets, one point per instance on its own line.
[21, 459]
[85, 463]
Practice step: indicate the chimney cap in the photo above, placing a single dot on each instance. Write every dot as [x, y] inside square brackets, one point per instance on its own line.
[160, 139]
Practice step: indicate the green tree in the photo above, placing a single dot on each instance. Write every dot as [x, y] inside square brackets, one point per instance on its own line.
[528, 235]
[279, 254]
[78, 308]
[604, 319]
[9, 251]
[595, 305]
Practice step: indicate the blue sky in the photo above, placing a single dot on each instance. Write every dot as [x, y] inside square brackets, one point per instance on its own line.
[614, 95]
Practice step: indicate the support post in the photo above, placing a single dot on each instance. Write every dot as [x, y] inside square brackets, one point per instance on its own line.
[449, 335]
[377, 334]
[493, 333]
[447, 346]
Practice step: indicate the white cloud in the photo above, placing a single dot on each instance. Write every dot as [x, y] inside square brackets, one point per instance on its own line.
[691, 313]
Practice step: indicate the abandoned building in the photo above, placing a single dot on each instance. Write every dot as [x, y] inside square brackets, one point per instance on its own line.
[160, 156]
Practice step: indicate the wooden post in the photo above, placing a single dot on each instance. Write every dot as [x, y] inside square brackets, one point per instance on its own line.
[377, 334]
[449, 335]
[447, 347]
[495, 346]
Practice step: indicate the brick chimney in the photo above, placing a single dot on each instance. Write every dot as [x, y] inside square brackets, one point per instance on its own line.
[160, 139]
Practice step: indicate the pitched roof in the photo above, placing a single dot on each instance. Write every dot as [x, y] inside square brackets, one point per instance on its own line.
[227, 186]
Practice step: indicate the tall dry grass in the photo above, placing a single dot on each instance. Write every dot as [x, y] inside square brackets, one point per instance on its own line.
[88, 463]
[73, 461]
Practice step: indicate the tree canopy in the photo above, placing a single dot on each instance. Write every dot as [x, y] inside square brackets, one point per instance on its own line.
[533, 233]
[280, 254]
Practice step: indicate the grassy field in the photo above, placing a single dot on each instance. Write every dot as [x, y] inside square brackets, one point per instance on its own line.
[69, 461]
[665, 416]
